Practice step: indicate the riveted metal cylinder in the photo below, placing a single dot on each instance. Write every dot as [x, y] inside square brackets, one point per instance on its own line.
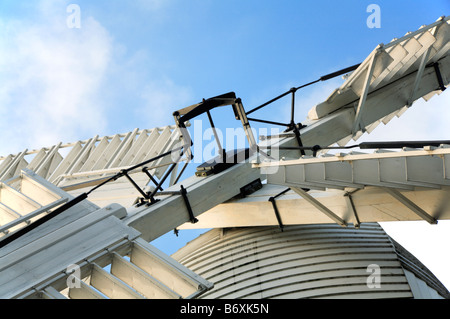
[305, 261]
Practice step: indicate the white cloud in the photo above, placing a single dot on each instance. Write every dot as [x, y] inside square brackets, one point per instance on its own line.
[162, 98]
[65, 84]
[51, 78]
[422, 121]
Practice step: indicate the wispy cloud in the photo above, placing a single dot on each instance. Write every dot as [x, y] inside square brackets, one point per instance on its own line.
[161, 98]
[65, 84]
[51, 77]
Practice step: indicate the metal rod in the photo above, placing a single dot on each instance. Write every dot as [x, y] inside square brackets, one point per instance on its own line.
[221, 150]
[157, 157]
[307, 84]
[351, 207]
[411, 205]
[267, 122]
[145, 170]
[322, 78]
[181, 172]
[268, 102]
[120, 174]
[8, 239]
[367, 145]
[298, 138]
[282, 193]
[277, 213]
[439, 76]
[401, 144]
[188, 205]
[136, 185]
[163, 179]
[340, 72]
[293, 106]
[319, 206]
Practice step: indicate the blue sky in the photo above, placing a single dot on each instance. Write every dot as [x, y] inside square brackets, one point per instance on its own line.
[132, 63]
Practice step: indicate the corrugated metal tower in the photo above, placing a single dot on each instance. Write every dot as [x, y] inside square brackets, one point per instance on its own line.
[308, 261]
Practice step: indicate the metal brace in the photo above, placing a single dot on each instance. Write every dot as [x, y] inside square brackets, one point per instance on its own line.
[183, 192]
[439, 76]
[296, 130]
[275, 208]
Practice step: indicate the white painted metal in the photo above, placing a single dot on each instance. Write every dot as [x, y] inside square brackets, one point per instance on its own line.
[420, 289]
[172, 276]
[309, 198]
[371, 204]
[373, 88]
[52, 293]
[84, 235]
[415, 172]
[25, 199]
[307, 261]
[111, 286]
[136, 270]
[140, 280]
[411, 205]
[91, 161]
[85, 291]
[407, 169]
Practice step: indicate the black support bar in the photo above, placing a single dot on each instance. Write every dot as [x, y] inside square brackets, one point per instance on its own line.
[439, 76]
[192, 218]
[145, 170]
[146, 196]
[169, 171]
[277, 213]
[293, 90]
[340, 72]
[10, 238]
[266, 121]
[275, 208]
[298, 138]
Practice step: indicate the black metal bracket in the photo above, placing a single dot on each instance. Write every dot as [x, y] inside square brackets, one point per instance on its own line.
[439, 76]
[192, 218]
[145, 170]
[292, 126]
[149, 198]
[296, 129]
[146, 198]
[221, 163]
[183, 193]
[250, 188]
[277, 213]
[183, 115]
[144, 195]
[275, 208]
